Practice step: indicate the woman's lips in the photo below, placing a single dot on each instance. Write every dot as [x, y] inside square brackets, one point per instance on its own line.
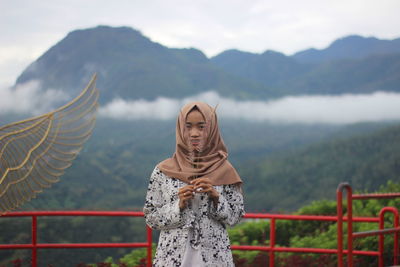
[195, 142]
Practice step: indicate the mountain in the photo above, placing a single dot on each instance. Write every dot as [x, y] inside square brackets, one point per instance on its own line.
[336, 70]
[350, 47]
[270, 68]
[380, 72]
[131, 66]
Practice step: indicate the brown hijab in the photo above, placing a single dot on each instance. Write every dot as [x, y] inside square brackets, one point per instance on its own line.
[211, 162]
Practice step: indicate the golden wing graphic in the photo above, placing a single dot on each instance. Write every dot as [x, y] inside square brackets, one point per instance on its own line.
[34, 153]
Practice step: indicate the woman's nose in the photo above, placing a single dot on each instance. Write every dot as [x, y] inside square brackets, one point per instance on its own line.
[194, 132]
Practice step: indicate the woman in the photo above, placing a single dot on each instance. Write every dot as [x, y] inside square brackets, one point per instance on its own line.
[194, 194]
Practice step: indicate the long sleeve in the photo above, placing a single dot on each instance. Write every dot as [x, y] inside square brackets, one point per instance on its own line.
[161, 208]
[230, 207]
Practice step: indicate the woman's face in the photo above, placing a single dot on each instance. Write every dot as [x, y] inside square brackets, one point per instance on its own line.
[195, 130]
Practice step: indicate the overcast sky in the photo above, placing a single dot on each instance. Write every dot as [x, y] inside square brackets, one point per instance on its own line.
[28, 28]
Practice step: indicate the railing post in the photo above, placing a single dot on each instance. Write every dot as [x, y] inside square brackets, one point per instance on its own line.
[149, 246]
[272, 243]
[349, 227]
[34, 241]
[339, 208]
[396, 240]
[382, 237]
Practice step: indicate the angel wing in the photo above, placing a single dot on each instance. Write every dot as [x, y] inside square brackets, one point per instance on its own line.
[35, 152]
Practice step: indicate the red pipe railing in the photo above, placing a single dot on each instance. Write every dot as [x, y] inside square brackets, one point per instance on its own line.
[271, 249]
[339, 207]
[395, 213]
[351, 235]
[34, 246]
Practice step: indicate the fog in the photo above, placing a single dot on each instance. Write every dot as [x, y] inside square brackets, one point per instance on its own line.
[29, 99]
[342, 109]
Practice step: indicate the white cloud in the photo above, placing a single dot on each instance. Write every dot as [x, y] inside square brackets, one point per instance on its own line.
[29, 98]
[343, 109]
[162, 108]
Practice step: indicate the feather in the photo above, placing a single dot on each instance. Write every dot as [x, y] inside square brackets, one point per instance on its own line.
[35, 152]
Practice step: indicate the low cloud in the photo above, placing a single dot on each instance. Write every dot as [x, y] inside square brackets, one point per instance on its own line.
[342, 109]
[29, 98]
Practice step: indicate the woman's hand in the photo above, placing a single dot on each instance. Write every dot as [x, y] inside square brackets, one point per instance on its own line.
[204, 185]
[185, 194]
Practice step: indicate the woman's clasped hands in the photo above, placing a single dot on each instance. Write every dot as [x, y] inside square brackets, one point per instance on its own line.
[199, 185]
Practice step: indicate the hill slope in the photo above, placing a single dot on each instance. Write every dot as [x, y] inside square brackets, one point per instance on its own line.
[113, 170]
[292, 179]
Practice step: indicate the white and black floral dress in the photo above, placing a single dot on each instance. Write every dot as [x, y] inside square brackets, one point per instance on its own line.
[200, 232]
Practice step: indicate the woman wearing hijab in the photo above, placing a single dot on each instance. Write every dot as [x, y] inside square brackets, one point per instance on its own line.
[193, 195]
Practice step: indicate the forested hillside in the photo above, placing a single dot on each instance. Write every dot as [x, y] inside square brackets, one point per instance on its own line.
[287, 181]
[112, 171]
[283, 167]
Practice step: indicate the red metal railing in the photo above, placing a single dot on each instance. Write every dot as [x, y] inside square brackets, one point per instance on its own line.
[351, 235]
[271, 248]
[34, 246]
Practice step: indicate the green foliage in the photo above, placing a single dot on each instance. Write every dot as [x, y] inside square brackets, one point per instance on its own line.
[136, 258]
[255, 233]
[317, 234]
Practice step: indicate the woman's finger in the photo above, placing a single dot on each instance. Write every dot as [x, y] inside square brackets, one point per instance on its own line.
[201, 180]
[202, 186]
[186, 192]
[185, 189]
[204, 189]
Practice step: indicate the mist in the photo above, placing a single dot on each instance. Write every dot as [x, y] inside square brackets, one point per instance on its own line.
[30, 99]
[308, 109]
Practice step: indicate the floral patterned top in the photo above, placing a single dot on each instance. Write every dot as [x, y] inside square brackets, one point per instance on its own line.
[204, 228]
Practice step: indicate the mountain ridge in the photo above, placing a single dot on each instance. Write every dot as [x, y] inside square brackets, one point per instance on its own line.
[131, 66]
[352, 46]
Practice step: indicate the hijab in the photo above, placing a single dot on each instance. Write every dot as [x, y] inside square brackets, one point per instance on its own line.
[211, 162]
